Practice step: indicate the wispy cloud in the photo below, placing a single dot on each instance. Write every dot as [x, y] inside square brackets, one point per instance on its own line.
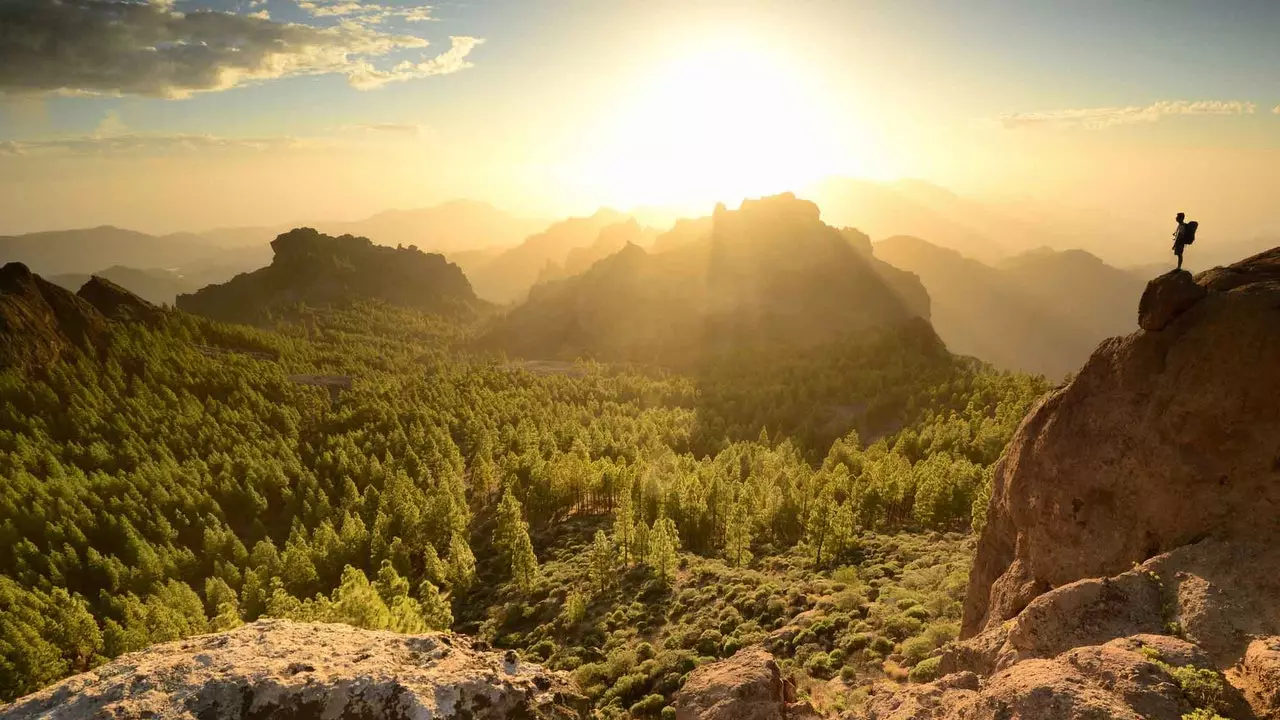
[1098, 118]
[128, 47]
[366, 76]
[365, 11]
[112, 139]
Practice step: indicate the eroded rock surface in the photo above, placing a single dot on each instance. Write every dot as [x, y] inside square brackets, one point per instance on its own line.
[1167, 297]
[747, 686]
[1164, 438]
[293, 671]
[1136, 678]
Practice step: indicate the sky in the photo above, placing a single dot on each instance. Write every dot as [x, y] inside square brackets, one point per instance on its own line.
[187, 115]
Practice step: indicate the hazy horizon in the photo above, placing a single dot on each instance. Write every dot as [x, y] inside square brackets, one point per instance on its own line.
[332, 111]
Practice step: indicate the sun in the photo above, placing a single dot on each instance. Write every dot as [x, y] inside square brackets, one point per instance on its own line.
[717, 124]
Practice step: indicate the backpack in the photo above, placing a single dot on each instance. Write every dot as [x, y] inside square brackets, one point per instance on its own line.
[1189, 232]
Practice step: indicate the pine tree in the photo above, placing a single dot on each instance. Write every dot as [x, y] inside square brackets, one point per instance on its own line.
[435, 609]
[433, 570]
[624, 522]
[737, 534]
[511, 537]
[603, 565]
[461, 572]
[664, 543]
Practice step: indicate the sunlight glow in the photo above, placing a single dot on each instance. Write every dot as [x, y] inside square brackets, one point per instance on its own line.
[718, 123]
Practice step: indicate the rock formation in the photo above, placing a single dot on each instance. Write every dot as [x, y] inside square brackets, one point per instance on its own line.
[1130, 566]
[294, 671]
[40, 321]
[768, 274]
[117, 303]
[1164, 438]
[747, 686]
[320, 270]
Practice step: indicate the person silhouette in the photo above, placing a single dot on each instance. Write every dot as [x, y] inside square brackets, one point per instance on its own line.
[1179, 237]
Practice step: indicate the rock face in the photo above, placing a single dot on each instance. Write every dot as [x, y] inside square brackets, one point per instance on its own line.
[1167, 297]
[117, 303]
[747, 686]
[321, 270]
[1163, 439]
[40, 321]
[293, 671]
[1135, 678]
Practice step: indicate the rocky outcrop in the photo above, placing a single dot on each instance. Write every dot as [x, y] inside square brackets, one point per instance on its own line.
[747, 686]
[1216, 594]
[117, 303]
[1144, 677]
[1164, 438]
[311, 268]
[290, 671]
[1167, 297]
[39, 321]
[1259, 676]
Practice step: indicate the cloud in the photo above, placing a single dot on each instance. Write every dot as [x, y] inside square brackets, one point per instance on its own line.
[1276, 109]
[363, 11]
[113, 139]
[1097, 118]
[451, 61]
[127, 47]
[134, 145]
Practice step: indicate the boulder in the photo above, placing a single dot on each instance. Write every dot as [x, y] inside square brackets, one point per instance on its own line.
[1259, 676]
[1167, 297]
[116, 303]
[747, 686]
[1162, 439]
[290, 671]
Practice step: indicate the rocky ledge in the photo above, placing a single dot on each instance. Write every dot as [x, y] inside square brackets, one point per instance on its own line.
[294, 671]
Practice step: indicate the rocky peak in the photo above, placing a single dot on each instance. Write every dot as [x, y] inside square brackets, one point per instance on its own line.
[290, 671]
[1163, 438]
[117, 303]
[39, 320]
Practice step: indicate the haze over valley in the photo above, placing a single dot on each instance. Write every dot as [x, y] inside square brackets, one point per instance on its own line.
[639, 361]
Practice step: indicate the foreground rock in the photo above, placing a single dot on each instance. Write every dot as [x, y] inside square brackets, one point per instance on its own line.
[1167, 297]
[1144, 677]
[1164, 438]
[290, 671]
[747, 686]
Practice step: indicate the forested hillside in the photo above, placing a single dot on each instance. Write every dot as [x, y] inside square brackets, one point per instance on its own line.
[624, 523]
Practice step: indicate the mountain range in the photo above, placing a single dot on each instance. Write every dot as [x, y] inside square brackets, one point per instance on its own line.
[769, 273]
[1043, 311]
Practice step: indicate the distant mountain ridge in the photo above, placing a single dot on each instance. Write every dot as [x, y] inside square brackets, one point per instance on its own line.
[1042, 311]
[317, 269]
[770, 273]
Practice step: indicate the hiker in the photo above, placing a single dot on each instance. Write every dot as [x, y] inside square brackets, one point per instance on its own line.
[1183, 236]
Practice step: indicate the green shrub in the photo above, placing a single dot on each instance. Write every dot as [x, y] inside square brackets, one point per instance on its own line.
[649, 705]
[919, 612]
[668, 713]
[926, 670]
[709, 642]
[881, 645]
[916, 649]
[901, 627]
[819, 665]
